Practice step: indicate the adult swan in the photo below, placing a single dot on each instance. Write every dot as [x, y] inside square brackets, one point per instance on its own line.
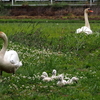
[9, 60]
[86, 29]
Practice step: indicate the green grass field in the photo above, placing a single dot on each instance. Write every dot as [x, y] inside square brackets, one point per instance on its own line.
[47, 46]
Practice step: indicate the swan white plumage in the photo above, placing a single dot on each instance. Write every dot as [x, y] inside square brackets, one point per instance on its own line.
[86, 29]
[9, 60]
[12, 56]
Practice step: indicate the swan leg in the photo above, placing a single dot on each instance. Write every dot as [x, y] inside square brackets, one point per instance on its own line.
[14, 71]
[0, 73]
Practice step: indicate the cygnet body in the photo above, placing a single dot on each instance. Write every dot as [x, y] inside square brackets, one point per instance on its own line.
[45, 77]
[61, 81]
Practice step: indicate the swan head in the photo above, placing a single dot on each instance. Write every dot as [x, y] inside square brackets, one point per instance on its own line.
[2, 34]
[88, 10]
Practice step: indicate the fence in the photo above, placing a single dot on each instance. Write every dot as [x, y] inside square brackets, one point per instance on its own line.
[51, 1]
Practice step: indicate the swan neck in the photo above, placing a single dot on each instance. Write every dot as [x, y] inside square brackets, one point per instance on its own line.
[4, 48]
[86, 19]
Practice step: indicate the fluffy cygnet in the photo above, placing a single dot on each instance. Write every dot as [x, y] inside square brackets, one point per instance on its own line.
[54, 72]
[61, 81]
[72, 80]
[45, 77]
[75, 79]
[44, 74]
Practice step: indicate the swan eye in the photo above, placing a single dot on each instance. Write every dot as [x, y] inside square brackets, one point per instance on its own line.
[90, 10]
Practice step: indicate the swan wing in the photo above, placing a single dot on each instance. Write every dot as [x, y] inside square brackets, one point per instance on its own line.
[79, 30]
[12, 57]
[86, 30]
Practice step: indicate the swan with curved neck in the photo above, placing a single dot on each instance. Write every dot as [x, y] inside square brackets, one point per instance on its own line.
[86, 29]
[9, 60]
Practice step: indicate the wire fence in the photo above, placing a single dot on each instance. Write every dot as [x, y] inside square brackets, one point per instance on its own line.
[51, 2]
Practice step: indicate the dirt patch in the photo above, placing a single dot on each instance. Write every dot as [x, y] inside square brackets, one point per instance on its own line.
[49, 12]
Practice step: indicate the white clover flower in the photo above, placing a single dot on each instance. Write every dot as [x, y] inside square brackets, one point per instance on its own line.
[5, 78]
[17, 81]
[15, 86]
[27, 87]
[94, 72]
[10, 87]
[23, 76]
[81, 77]
[29, 77]
[13, 75]
[0, 80]
[77, 73]
[98, 77]
[17, 77]
[22, 85]
[33, 87]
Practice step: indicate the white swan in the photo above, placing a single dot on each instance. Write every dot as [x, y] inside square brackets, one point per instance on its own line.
[9, 60]
[86, 29]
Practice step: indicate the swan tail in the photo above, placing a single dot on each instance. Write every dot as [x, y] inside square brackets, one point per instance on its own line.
[20, 64]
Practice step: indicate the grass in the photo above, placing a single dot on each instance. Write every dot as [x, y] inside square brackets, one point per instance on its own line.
[47, 46]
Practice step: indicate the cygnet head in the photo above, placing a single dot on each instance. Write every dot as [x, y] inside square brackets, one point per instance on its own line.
[54, 72]
[45, 74]
[60, 78]
[75, 79]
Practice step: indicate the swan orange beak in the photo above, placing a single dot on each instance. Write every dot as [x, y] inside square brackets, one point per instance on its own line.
[90, 10]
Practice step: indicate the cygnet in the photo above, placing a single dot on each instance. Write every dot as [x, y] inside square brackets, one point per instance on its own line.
[72, 80]
[61, 81]
[45, 77]
[54, 74]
